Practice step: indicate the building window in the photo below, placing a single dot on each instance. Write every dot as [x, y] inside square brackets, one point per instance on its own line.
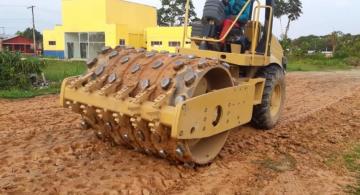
[97, 37]
[174, 43]
[82, 45]
[84, 37]
[52, 42]
[188, 42]
[122, 42]
[156, 43]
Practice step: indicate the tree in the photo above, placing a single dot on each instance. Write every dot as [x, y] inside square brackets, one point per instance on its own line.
[333, 39]
[28, 33]
[172, 13]
[290, 8]
[286, 44]
[343, 45]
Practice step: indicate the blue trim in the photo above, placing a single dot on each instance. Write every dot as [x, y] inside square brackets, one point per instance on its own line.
[57, 54]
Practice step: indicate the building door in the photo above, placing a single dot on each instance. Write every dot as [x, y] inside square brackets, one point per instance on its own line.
[70, 50]
[83, 50]
[136, 40]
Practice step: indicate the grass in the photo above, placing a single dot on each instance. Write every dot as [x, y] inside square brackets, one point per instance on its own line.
[352, 162]
[284, 163]
[55, 71]
[317, 64]
[20, 93]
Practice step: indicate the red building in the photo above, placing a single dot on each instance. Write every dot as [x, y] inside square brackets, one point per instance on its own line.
[18, 44]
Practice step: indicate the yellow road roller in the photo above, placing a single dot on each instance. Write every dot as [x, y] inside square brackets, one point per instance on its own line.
[181, 106]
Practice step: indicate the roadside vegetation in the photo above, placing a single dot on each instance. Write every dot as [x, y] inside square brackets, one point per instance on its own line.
[17, 75]
[321, 63]
[307, 53]
[352, 161]
[15, 71]
[57, 70]
[349, 159]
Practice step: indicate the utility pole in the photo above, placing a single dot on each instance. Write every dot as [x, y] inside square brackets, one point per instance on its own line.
[33, 21]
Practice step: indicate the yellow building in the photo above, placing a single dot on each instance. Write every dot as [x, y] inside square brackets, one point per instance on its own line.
[90, 25]
[166, 38]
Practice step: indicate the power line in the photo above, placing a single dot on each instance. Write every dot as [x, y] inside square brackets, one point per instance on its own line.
[24, 21]
[8, 5]
[48, 9]
[17, 22]
[14, 18]
[40, 8]
[22, 6]
[14, 27]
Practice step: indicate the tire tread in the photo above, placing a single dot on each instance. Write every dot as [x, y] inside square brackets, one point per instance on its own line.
[261, 118]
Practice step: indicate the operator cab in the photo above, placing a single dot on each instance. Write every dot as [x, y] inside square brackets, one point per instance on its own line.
[240, 39]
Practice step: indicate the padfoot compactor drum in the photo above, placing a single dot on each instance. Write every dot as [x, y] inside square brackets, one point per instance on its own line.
[181, 106]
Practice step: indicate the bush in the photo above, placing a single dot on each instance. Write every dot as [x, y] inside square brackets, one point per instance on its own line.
[353, 61]
[15, 71]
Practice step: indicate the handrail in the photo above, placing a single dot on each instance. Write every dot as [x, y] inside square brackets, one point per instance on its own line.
[256, 33]
[268, 38]
[257, 15]
[187, 8]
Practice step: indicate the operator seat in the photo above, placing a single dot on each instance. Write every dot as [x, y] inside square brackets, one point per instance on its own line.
[240, 35]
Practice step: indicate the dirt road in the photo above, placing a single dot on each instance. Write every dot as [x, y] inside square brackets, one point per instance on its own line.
[43, 150]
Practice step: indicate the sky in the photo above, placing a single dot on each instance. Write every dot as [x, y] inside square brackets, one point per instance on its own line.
[320, 16]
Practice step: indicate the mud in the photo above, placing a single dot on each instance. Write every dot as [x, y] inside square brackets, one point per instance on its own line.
[44, 151]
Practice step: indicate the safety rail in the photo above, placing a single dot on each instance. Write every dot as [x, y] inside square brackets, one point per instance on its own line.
[257, 11]
[256, 16]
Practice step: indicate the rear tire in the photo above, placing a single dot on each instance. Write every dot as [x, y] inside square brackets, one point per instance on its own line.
[267, 114]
